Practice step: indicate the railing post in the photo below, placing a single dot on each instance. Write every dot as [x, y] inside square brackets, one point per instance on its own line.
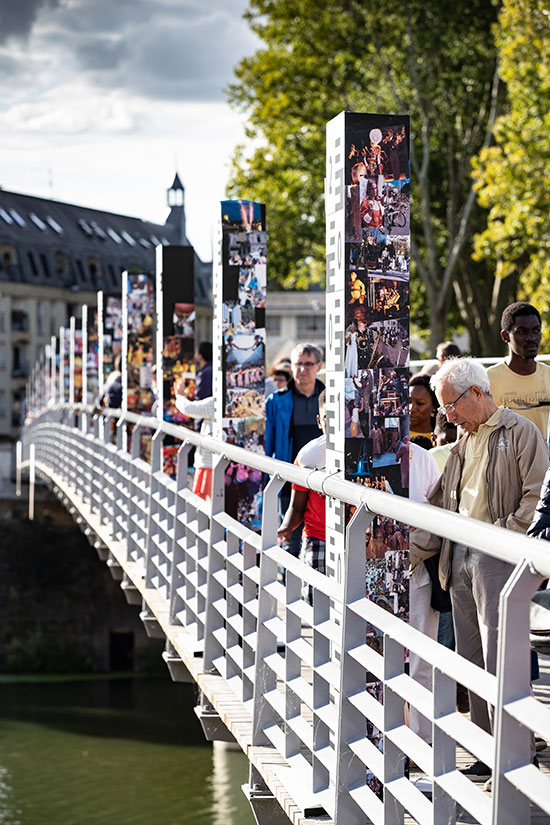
[18, 460]
[154, 508]
[266, 640]
[177, 603]
[213, 588]
[350, 771]
[31, 482]
[513, 741]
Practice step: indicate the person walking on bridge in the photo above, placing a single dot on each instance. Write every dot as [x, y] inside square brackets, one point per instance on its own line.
[291, 419]
[494, 473]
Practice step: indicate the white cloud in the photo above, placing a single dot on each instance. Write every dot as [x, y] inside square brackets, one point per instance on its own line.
[108, 94]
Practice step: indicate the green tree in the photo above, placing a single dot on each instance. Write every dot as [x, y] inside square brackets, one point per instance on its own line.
[513, 176]
[436, 61]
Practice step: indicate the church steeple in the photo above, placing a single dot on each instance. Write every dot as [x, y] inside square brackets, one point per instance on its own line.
[176, 202]
[176, 192]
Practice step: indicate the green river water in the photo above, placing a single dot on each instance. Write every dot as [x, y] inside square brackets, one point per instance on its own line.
[115, 752]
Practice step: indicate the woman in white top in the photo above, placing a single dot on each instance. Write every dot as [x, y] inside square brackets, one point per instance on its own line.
[202, 482]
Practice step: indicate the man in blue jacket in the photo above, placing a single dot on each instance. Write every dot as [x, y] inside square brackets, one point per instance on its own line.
[291, 418]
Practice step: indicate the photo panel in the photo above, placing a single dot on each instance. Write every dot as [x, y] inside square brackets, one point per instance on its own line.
[141, 388]
[251, 377]
[112, 338]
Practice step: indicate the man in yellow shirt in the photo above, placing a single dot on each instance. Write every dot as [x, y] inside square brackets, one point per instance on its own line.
[520, 382]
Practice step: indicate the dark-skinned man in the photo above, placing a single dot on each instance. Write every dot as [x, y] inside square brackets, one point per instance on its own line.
[520, 382]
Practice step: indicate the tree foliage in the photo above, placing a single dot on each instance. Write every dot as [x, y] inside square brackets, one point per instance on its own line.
[435, 61]
[513, 176]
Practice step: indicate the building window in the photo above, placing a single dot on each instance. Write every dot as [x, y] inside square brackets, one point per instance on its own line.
[3, 356]
[80, 270]
[308, 324]
[19, 321]
[94, 268]
[45, 267]
[32, 262]
[18, 362]
[39, 318]
[9, 260]
[3, 404]
[273, 324]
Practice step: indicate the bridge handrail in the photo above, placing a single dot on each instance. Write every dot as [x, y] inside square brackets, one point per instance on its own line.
[506, 545]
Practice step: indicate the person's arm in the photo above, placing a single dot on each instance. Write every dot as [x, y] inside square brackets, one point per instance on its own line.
[532, 459]
[295, 513]
[203, 408]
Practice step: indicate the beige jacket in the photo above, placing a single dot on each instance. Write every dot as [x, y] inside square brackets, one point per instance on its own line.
[518, 460]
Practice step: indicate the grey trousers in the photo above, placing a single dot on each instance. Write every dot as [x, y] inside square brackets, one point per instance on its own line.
[476, 582]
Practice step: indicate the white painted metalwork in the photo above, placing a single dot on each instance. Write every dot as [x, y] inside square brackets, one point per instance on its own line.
[264, 657]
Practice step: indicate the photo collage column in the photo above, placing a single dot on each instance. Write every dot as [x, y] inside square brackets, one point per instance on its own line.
[368, 259]
[139, 388]
[175, 339]
[241, 311]
[90, 359]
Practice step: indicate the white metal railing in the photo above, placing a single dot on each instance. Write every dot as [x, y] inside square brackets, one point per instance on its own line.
[300, 670]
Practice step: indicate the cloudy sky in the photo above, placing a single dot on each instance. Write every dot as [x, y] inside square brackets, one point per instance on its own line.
[102, 99]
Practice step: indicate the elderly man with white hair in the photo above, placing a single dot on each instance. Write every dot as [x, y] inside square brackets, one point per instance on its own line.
[494, 473]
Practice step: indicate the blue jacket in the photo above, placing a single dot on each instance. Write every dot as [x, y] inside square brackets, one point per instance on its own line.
[279, 407]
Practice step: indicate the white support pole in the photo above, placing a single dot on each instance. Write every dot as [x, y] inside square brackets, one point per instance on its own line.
[72, 332]
[18, 460]
[31, 482]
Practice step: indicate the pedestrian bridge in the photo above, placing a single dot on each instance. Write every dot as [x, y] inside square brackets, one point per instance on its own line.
[284, 679]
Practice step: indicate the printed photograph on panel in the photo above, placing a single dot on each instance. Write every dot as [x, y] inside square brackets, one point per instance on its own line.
[380, 254]
[396, 202]
[184, 320]
[252, 285]
[381, 150]
[372, 297]
[169, 460]
[353, 217]
[178, 373]
[245, 349]
[380, 344]
[113, 316]
[244, 403]
[385, 535]
[237, 318]
[245, 376]
[248, 216]
[243, 495]
[388, 435]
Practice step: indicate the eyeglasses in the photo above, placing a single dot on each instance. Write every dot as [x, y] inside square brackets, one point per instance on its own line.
[307, 364]
[450, 407]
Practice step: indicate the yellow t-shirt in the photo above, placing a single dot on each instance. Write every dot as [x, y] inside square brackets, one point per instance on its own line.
[473, 484]
[522, 393]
